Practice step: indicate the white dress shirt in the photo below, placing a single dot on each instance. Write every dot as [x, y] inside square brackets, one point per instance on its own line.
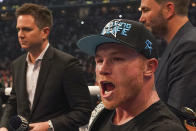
[32, 75]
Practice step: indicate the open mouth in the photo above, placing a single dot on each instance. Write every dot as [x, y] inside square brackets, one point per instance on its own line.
[107, 87]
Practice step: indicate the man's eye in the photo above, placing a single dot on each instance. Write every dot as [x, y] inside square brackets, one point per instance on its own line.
[118, 59]
[27, 29]
[99, 61]
[145, 9]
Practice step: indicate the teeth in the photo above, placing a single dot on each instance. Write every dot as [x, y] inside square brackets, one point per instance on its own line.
[107, 87]
[106, 92]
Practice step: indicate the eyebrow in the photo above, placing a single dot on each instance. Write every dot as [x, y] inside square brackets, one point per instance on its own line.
[113, 53]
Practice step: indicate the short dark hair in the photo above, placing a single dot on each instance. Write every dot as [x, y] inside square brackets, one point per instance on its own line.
[42, 15]
[181, 6]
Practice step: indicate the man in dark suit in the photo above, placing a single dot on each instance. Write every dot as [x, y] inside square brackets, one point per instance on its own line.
[175, 76]
[49, 89]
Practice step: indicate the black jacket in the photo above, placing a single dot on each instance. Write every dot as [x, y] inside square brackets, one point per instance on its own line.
[61, 95]
[176, 73]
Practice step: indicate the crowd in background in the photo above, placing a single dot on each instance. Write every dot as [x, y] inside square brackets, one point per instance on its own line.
[58, 2]
[70, 24]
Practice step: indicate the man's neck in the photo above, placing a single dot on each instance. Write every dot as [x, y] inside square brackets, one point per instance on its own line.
[35, 52]
[174, 26]
[130, 110]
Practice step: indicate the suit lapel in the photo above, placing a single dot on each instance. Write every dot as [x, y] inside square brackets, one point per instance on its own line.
[42, 78]
[163, 60]
[22, 89]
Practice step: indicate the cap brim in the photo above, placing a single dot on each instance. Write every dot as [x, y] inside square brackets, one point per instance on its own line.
[88, 44]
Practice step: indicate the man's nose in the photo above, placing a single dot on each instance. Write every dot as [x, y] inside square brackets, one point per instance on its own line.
[105, 68]
[142, 19]
[20, 34]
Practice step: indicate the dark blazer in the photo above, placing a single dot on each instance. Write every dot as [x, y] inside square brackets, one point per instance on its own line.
[61, 95]
[176, 73]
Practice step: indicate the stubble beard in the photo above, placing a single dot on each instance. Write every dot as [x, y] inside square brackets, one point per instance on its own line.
[159, 27]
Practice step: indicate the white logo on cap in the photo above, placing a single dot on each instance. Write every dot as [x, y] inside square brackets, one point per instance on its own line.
[116, 26]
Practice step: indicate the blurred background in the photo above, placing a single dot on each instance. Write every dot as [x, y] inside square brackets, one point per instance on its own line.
[73, 19]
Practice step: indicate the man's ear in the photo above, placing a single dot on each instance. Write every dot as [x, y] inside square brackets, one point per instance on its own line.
[168, 10]
[45, 32]
[150, 67]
